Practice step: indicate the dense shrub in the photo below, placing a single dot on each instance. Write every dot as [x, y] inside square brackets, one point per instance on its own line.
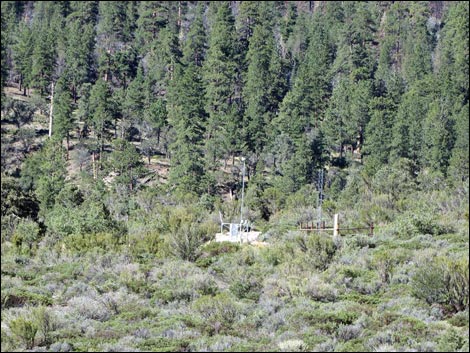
[219, 312]
[25, 330]
[319, 249]
[443, 281]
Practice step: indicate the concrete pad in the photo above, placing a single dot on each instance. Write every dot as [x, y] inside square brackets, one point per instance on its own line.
[247, 237]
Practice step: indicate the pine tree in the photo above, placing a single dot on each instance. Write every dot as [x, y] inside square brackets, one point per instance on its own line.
[379, 133]
[63, 118]
[453, 76]
[417, 45]
[126, 161]
[44, 172]
[23, 56]
[438, 137]
[164, 55]
[256, 90]
[133, 102]
[220, 76]
[153, 16]
[79, 60]
[43, 60]
[407, 137]
[187, 116]
[102, 110]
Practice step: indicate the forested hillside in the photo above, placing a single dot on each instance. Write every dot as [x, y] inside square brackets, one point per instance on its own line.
[126, 127]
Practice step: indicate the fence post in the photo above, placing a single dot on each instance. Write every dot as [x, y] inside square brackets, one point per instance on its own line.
[336, 225]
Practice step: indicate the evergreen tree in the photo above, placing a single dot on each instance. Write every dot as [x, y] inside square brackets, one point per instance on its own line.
[452, 68]
[220, 76]
[407, 136]
[163, 56]
[256, 91]
[43, 60]
[79, 60]
[187, 116]
[304, 107]
[24, 56]
[133, 103]
[102, 110]
[63, 118]
[438, 137]
[44, 173]
[379, 133]
[417, 45]
[126, 161]
[153, 16]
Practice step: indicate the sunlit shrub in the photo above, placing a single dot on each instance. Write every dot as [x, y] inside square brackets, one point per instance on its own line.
[219, 312]
[319, 249]
[24, 329]
[443, 281]
[294, 345]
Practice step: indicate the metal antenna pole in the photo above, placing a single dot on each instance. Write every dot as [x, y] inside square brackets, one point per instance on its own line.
[243, 191]
[320, 197]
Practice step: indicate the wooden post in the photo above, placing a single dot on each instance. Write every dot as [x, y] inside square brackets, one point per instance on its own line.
[371, 233]
[336, 225]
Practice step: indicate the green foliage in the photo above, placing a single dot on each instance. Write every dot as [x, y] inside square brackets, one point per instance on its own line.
[25, 330]
[99, 240]
[45, 322]
[443, 281]
[219, 312]
[102, 252]
[318, 249]
[451, 341]
[27, 232]
[385, 261]
[211, 251]
[20, 296]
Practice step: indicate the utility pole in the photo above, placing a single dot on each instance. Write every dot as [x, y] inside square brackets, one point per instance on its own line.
[241, 206]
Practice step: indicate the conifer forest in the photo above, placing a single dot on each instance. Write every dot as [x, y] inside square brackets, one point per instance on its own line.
[189, 176]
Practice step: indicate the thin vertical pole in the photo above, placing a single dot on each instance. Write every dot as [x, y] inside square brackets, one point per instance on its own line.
[243, 192]
[51, 110]
[336, 225]
[320, 198]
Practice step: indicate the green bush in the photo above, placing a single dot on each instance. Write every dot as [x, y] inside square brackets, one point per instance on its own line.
[45, 322]
[84, 243]
[26, 234]
[451, 341]
[219, 312]
[25, 330]
[460, 319]
[14, 297]
[384, 260]
[185, 243]
[210, 252]
[318, 248]
[443, 281]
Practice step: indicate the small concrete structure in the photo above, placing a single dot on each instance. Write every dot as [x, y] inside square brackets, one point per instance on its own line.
[246, 237]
